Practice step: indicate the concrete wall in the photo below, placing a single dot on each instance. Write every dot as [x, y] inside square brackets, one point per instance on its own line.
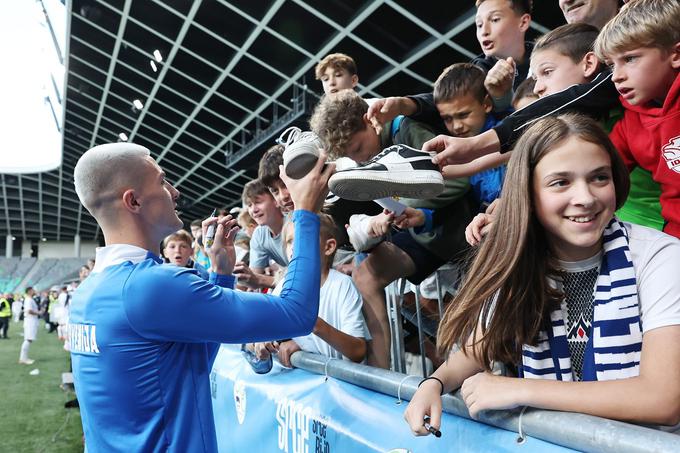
[26, 249]
[64, 249]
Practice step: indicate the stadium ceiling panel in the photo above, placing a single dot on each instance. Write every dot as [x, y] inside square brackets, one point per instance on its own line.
[197, 81]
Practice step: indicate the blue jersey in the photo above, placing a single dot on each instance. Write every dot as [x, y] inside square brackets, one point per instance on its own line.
[487, 184]
[144, 337]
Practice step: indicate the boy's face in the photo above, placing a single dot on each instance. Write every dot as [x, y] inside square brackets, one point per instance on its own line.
[326, 246]
[262, 208]
[464, 116]
[282, 197]
[554, 72]
[364, 144]
[499, 29]
[177, 252]
[593, 12]
[336, 79]
[524, 101]
[644, 74]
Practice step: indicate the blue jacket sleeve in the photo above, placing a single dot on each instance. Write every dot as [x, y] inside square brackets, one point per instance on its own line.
[169, 304]
[594, 98]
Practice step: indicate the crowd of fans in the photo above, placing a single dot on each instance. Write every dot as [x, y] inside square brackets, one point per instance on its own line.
[568, 69]
[567, 279]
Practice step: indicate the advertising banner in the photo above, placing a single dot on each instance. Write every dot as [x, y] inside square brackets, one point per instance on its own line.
[294, 411]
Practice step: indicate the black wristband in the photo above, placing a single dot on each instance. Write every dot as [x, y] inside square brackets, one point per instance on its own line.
[436, 379]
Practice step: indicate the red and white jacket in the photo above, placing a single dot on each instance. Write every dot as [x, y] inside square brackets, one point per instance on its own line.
[649, 137]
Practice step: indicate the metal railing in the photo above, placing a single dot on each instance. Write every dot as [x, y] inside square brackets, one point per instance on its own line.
[571, 430]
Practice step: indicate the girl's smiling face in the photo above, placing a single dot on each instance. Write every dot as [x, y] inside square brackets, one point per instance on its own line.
[574, 197]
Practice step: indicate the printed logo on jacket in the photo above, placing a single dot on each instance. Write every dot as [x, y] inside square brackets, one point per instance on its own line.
[671, 152]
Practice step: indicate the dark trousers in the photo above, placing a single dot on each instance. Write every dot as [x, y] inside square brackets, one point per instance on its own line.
[4, 325]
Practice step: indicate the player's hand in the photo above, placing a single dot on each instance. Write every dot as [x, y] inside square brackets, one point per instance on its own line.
[500, 77]
[222, 253]
[309, 192]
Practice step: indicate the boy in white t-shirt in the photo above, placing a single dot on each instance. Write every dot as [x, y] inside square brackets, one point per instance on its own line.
[31, 317]
[340, 330]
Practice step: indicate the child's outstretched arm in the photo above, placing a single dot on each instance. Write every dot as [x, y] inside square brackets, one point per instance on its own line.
[480, 164]
[651, 397]
[354, 348]
[380, 224]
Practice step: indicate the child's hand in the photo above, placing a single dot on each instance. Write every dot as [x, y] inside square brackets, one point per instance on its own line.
[245, 275]
[478, 228]
[410, 218]
[264, 350]
[383, 110]
[484, 391]
[425, 402]
[499, 79]
[286, 349]
[380, 224]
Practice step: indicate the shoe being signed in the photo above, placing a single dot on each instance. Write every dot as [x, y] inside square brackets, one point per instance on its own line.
[398, 171]
[301, 151]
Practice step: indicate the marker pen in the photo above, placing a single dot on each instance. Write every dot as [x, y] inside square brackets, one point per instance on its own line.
[210, 234]
[431, 428]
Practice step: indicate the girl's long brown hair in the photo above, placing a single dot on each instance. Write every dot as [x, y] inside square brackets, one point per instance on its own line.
[506, 293]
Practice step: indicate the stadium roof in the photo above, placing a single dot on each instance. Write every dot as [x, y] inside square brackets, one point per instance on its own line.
[228, 77]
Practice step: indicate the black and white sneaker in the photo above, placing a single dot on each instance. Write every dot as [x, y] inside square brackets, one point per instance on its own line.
[398, 171]
[301, 151]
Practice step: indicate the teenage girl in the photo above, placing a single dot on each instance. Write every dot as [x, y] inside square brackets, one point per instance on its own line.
[586, 307]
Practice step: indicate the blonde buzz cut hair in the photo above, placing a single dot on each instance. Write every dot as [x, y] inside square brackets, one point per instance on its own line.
[102, 171]
[640, 23]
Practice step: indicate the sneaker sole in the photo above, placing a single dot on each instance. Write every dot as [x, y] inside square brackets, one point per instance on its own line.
[371, 185]
[298, 166]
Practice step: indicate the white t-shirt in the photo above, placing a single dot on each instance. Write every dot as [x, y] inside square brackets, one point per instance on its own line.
[263, 246]
[656, 259]
[340, 306]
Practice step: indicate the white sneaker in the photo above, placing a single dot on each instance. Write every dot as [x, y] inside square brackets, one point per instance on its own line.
[398, 171]
[301, 151]
[358, 233]
[27, 361]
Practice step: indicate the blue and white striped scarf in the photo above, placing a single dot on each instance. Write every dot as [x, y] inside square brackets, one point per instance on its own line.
[615, 343]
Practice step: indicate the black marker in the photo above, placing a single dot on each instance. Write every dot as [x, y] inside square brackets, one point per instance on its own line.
[431, 428]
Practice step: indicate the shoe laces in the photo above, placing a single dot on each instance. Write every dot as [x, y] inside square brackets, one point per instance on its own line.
[294, 135]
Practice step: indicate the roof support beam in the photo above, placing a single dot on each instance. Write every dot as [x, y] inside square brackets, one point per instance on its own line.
[225, 72]
[168, 62]
[358, 19]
